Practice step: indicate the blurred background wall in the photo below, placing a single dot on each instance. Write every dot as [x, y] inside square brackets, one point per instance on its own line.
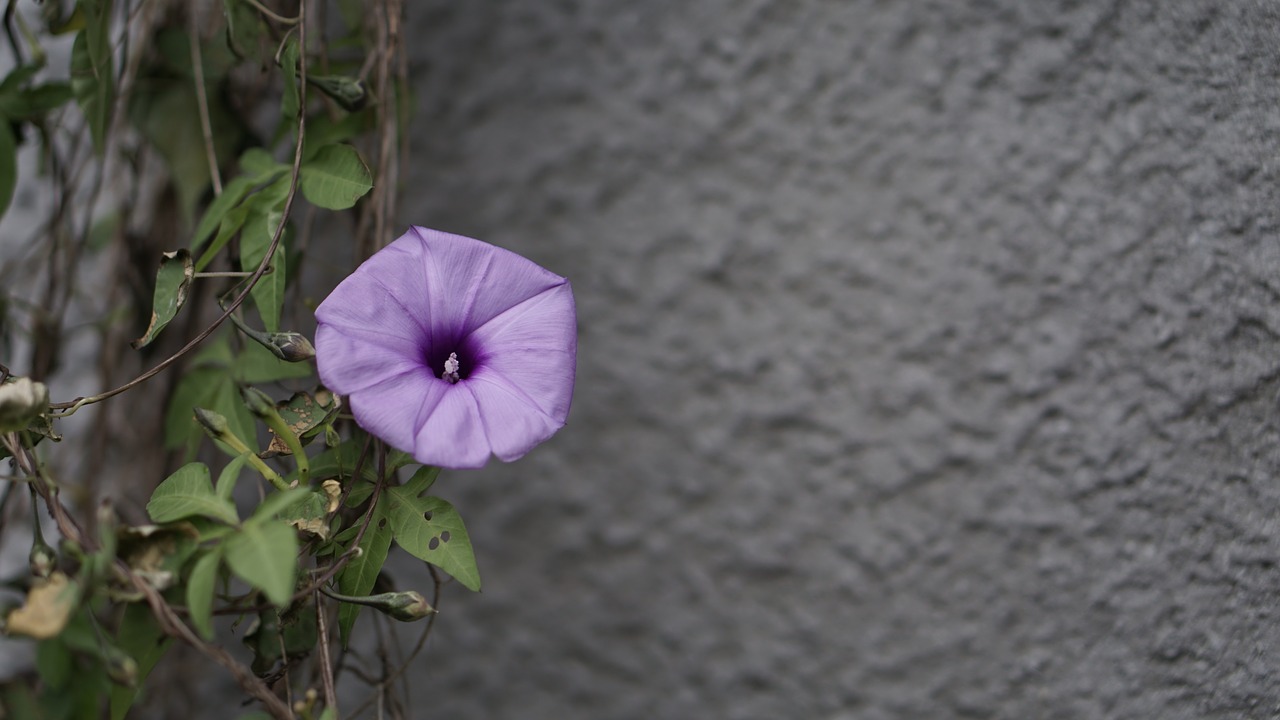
[928, 358]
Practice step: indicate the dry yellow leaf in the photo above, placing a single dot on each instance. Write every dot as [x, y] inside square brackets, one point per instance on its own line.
[48, 607]
[333, 489]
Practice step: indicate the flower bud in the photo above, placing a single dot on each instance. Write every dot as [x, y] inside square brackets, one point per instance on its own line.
[405, 606]
[21, 402]
[258, 402]
[348, 92]
[121, 668]
[213, 423]
[290, 346]
[42, 559]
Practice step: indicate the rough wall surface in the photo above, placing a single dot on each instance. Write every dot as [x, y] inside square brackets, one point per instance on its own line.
[929, 358]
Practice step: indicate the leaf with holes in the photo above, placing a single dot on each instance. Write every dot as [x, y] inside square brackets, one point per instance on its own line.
[359, 575]
[305, 414]
[430, 529]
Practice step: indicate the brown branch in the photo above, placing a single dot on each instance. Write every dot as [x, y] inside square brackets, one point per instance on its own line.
[76, 404]
[326, 662]
[173, 626]
[417, 648]
[165, 615]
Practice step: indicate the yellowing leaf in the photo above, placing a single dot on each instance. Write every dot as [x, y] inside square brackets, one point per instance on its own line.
[48, 607]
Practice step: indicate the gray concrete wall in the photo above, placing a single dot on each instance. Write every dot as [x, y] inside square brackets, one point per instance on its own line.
[930, 354]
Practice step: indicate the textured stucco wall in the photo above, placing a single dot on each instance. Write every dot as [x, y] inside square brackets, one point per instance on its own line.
[930, 354]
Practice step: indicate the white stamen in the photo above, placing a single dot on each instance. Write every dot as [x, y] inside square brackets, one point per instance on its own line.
[451, 369]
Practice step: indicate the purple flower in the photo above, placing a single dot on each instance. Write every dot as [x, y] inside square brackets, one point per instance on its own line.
[451, 349]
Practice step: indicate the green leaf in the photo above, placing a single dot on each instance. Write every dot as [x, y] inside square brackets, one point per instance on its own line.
[278, 503]
[104, 231]
[264, 554]
[289, 102]
[421, 480]
[310, 513]
[244, 27]
[92, 77]
[232, 193]
[156, 553]
[258, 164]
[335, 178]
[173, 279]
[166, 111]
[255, 239]
[360, 573]
[322, 131]
[35, 102]
[209, 385]
[430, 529]
[228, 402]
[187, 492]
[200, 586]
[305, 414]
[17, 77]
[8, 164]
[340, 463]
[42, 99]
[141, 637]
[229, 476]
[53, 662]
[256, 365]
[231, 224]
[258, 167]
[353, 14]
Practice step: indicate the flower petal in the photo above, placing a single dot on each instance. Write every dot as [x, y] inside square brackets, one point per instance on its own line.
[391, 407]
[383, 330]
[544, 377]
[385, 295]
[452, 436]
[545, 321]
[471, 282]
[533, 347]
[512, 422]
[349, 361]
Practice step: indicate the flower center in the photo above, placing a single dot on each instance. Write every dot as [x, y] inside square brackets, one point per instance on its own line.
[450, 374]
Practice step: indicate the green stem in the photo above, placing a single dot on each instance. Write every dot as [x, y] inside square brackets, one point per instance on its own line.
[216, 426]
[262, 407]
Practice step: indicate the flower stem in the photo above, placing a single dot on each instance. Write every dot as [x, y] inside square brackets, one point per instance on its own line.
[262, 408]
[218, 429]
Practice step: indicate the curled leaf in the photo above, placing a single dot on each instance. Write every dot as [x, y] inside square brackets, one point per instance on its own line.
[173, 279]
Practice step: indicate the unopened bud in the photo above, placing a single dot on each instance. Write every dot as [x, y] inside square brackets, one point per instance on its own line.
[21, 402]
[213, 423]
[42, 559]
[348, 92]
[290, 346]
[258, 402]
[403, 606]
[121, 668]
